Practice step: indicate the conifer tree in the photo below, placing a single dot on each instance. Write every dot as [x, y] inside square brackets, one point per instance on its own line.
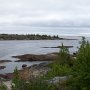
[81, 69]
[63, 56]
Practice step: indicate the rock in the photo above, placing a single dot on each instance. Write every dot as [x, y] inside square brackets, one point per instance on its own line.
[24, 74]
[6, 76]
[34, 71]
[29, 72]
[3, 61]
[32, 57]
[44, 64]
[38, 72]
[2, 67]
[24, 66]
[59, 47]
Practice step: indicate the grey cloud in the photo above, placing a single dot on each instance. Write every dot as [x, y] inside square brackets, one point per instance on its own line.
[44, 13]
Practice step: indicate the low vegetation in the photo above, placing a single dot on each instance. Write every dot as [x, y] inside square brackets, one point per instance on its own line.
[3, 87]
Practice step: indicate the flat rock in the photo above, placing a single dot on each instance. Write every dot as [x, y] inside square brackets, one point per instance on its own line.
[33, 57]
[59, 47]
[3, 61]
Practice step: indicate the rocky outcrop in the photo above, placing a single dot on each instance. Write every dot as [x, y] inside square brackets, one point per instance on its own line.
[39, 69]
[2, 67]
[29, 72]
[32, 57]
[34, 71]
[59, 47]
[3, 61]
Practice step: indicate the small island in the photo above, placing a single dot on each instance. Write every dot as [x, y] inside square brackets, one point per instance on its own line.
[31, 37]
[28, 37]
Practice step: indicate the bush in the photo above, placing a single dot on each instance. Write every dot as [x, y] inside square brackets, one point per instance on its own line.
[64, 56]
[3, 87]
[59, 70]
[61, 66]
[81, 69]
[35, 84]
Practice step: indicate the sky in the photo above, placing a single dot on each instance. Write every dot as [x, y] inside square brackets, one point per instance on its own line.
[27, 16]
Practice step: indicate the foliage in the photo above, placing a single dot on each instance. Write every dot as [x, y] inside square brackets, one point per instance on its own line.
[36, 84]
[16, 76]
[81, 68]
[61, 66]
[63, 56]
[39, 84]
[3, 87]
[59, 70]
[16, 79]
[27, 37]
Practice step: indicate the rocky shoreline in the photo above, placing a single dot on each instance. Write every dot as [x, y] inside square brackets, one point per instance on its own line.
[34, 70]
[29, 72]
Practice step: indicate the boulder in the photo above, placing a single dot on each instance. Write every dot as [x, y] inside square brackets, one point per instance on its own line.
[33, 57]
[3, 61]
[24, 65]
[2, 67]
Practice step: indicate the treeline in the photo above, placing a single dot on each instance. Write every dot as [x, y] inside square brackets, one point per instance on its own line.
[28, 37]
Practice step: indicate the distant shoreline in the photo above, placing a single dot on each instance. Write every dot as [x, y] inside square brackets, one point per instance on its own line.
[30, 37]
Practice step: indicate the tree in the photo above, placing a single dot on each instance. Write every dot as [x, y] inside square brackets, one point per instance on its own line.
[81, 69]
[63, 56]
[16, 79]
[3, 87]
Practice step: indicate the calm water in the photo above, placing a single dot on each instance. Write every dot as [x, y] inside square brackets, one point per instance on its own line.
[12, 48]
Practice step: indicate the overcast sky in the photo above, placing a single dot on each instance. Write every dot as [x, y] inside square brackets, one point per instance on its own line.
[19, 14]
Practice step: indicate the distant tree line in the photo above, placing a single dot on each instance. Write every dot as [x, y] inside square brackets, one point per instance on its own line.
[28, 37]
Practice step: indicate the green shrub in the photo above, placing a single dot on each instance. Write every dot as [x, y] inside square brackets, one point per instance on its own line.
[61, 66]
[35, 84]
[3, 87]
[81, 68]
[63, 56]
[59, 70]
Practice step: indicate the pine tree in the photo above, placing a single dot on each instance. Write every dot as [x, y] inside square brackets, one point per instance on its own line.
[81, 67]
[63, 56]
[16, 79]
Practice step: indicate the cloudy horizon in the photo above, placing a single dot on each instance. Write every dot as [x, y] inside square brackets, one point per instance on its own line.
[19, 15]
